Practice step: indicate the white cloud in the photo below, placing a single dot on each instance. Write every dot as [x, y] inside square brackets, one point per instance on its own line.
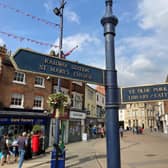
[143, 59]
[82, 40]
[153, 15]
[90, 49]
[72, 16]
[1, 42]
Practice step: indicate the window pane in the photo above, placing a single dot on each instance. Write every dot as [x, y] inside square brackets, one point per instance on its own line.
[39, 81]
[19, 77]
[17, 99]
[38, 101]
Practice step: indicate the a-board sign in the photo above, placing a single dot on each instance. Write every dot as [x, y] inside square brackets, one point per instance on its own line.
[30, 61]
[144, 93]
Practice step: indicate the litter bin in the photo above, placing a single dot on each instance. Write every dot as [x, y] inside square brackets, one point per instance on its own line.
[59, 161]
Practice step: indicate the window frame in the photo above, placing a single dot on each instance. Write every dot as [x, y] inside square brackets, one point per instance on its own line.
[41, 85]
[16, 77]
[42, 102]
[21, 97]
[77, 103]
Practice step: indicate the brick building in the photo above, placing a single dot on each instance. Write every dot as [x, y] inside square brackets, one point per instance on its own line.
[23, 101]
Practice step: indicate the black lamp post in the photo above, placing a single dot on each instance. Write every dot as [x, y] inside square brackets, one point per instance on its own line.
[109, 21]
[58, 12]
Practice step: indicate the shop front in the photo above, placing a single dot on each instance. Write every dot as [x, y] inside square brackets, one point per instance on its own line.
[17, 122]
[90, 124]
[63, 137]
[76, 126]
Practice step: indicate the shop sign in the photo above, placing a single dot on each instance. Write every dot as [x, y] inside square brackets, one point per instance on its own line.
[144, 93]
[30, 61]
[19, 121]
[77, 115]
[100, 120]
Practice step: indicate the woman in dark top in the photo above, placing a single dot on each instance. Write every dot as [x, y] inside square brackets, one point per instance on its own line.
[28, 154]
[4, 150]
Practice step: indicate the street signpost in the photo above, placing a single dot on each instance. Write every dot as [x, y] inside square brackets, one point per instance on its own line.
[109, 22]
[145, 93]
[30, 61]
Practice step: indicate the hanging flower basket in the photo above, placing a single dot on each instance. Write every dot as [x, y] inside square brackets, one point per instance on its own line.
[58, 101]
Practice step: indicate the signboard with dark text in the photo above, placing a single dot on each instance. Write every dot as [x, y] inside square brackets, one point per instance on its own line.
[30, 61]
[144, 93]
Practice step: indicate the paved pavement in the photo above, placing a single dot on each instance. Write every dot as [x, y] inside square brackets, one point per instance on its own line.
[137, 151]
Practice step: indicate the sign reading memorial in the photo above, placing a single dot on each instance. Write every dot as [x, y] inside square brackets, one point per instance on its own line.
[30, 61]
[144, 93]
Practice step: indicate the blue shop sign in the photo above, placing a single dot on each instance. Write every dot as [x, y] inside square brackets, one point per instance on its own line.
[144, 93]
[23, 121]
[30, 61]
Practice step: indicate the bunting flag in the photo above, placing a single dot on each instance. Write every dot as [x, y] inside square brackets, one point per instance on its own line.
[29, 15]
[28, 39]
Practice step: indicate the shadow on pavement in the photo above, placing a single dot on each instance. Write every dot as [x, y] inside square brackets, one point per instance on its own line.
[87, 159]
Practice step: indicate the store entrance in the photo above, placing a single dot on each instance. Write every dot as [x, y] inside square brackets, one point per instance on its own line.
[15, 129]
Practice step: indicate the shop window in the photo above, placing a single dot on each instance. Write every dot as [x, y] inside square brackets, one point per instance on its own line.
[39, 81]
[17, 100]
[19, 77]
[38, 102]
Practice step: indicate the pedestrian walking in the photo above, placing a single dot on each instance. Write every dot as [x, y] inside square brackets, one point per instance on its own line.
[121, 131]
[22, 143]
[4, 150]
[102, 132]
[28, 154]
[15, 149]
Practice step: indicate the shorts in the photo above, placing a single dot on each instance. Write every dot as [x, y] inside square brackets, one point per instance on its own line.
[1, 155]
[5, 153]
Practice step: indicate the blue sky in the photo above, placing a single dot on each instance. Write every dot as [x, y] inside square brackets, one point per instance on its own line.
[140, 42]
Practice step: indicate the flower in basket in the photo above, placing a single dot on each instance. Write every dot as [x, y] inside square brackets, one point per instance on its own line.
[58, 101]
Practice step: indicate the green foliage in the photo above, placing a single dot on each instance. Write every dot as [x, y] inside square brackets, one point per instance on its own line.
[36, 128]
[58, 100]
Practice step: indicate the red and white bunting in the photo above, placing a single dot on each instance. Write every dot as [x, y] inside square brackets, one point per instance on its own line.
[29, 15]
[21, 39]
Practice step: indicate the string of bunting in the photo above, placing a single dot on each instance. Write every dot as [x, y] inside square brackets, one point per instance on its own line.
[29, 15]
[28, 39]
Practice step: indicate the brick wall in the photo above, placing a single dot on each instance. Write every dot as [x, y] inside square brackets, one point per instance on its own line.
[8, 87]
[3, 51]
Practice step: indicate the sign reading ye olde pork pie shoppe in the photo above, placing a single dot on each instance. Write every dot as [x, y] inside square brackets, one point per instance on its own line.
[30, 61]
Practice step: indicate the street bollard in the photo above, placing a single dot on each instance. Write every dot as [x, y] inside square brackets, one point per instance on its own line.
[57, 158]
